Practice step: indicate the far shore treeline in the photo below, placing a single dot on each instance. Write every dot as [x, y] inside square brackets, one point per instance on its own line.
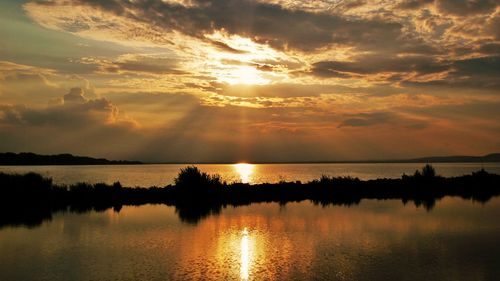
[32, 159]
[29, 199]
[28, 158]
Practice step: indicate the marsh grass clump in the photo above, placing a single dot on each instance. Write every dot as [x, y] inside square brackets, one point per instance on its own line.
[26, 187]
[337, 180]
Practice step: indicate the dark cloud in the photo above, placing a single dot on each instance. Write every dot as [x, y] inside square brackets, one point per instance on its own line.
[479, 73]
[344, 6]
[226, 48]
[367, 119]
[413, 4]
[487, 67]
[490, 48]
[137, 64]
[264, 23]
[382, 118]
[476, 73]
[371, 64]
[325, 69]
[467, 7]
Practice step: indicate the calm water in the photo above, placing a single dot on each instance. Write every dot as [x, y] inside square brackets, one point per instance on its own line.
[375, 240]
[161, 175]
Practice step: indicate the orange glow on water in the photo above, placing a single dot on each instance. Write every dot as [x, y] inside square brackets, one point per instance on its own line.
[245, 171]
[245, 261]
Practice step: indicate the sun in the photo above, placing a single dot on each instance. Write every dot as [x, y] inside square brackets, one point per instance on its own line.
[245, 171]
[239, 62]
[243, 75]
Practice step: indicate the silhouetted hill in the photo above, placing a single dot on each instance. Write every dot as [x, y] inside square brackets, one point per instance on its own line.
[25, 158]
[494, 157]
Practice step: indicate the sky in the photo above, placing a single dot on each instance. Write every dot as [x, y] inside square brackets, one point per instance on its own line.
[254, 81]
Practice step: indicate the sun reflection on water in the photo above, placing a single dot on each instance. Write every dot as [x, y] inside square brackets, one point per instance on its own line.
[245, 171]
[245, 261]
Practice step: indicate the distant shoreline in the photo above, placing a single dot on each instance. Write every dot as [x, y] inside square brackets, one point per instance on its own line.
[32, 159]
[253, 163]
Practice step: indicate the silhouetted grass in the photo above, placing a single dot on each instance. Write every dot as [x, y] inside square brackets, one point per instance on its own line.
[30, 199]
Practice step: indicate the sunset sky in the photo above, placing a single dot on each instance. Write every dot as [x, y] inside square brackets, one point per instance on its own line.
[257, 81]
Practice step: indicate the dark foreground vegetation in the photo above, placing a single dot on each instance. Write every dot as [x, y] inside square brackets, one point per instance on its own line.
[30, 199]
[28, 158]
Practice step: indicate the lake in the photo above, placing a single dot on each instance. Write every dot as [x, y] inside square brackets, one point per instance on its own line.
[372, 240]
[164, 174]
[375, 240]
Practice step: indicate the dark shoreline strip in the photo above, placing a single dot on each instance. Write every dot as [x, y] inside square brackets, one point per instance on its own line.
[30, 199]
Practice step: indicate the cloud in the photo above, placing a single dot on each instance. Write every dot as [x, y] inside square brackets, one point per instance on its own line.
[452, 7]
[192, 131]
[75, 95]
[263, 22]
[372, 65]
[493, 27]
[486, 67]
[21, 83]
[135, 64]
[283, 90]
[467, 7]
[413, 4]
[214, 80]
[225, 47]
[35, 86]
[261, 42]
[479, 73]
[367, 119]
[154, 110]
[75, 112]
[490, 48]
[383, 118]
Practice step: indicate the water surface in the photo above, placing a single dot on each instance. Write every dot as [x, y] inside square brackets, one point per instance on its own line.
[161, 175]
[375, 240]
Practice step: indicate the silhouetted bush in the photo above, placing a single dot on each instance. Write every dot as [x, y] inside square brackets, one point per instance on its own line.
[191, 177]
[428, 171]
